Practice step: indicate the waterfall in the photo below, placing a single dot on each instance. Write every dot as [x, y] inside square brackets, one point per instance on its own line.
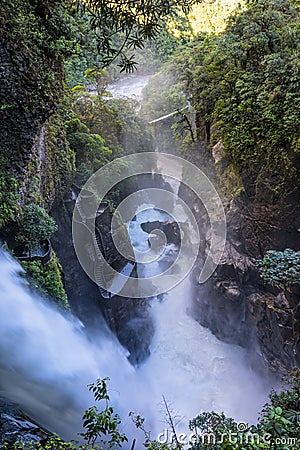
[46, 362]
[47, 359]
[188, 365]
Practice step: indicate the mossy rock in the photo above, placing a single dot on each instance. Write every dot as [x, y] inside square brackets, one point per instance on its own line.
[47, 279]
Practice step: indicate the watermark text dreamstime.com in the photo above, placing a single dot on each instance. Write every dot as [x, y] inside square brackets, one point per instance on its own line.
[242, 436]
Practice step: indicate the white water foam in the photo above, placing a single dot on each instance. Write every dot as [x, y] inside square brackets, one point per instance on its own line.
[46, 361]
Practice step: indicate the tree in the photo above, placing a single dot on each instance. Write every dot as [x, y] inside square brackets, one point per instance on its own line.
[211, 430]
[277, 429]
[36, 226]
[136, 22]
[102, 425]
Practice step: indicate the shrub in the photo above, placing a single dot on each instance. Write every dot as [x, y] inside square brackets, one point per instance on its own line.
[47, 279]
[102, 423]
[280, 268]
[36, 227]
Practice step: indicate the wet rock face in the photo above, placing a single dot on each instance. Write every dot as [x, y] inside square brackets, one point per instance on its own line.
[235, 303]
[240, 309]
[15, 426]
[131, 321]
[128, 318]
[222, 305]
[263, 213]
[26, 106]
[278, 331]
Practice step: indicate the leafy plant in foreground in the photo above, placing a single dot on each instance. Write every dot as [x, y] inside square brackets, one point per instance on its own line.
[102, 423]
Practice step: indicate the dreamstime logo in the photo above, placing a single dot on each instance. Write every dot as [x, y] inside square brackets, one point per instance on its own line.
[243, 435]
[174, 170]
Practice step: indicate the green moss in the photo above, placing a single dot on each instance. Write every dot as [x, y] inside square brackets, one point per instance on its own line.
[47, 279]
[9, 197]
[230, 181]
[35, 37]
[50, 171]
[59, 166]
[36, 226]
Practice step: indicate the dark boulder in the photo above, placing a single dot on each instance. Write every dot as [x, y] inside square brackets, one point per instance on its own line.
[15, 426]
[169, 227]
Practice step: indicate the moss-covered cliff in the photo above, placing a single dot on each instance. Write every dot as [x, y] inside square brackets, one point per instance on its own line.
[34, 36]
[36, 162]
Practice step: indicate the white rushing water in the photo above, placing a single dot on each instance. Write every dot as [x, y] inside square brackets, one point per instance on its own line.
[46, 363]
[129, 87]
[188, 365]
[46, 359]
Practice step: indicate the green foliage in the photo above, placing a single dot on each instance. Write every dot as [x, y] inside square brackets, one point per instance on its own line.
[176, 29]
[9, 198]
[52, 443]
[134, 136]
[74, 125]
[136, 23]
[115, 120]
[148, 59]
[277, 429]
[166, 94]
[86, 55]
[289, 398]
[88, 146]
[259, 93]
[58, 167]
[47, 279]
[41, 25]
[83, 173]
[101, 124]
[273, 432]
[38, 36]
[100, 117]
[247, 82]
[156, 445]
[243, 86]
[102, 423]
[6, 106]
[275, 424]
[280, 268]
[36, 226]
[99, 78]
[90, 149]
[162, 48]
[212, 427]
